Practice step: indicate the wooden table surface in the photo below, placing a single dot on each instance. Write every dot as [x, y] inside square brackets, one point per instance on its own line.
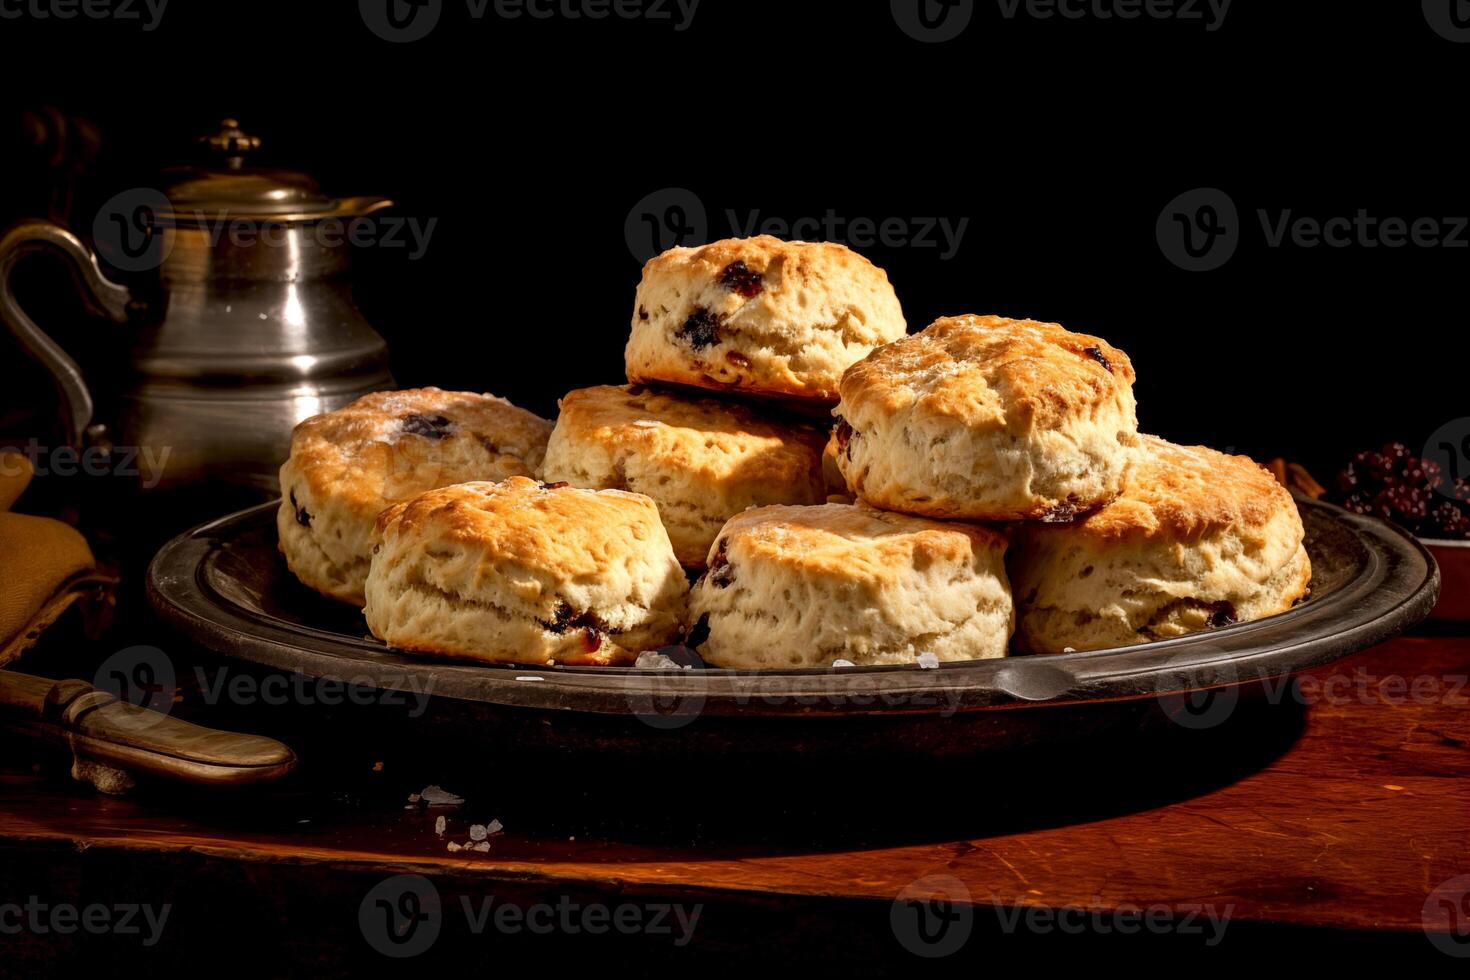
[1348, 817]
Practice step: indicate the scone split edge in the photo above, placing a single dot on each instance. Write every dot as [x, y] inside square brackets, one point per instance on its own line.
[522, 572]
[701, 460]
[1198, 540]
[792, 586]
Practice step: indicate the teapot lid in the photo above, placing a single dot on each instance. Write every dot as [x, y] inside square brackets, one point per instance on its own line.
[229, 187]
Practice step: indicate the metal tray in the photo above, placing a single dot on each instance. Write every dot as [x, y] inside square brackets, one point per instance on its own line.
[225, 585]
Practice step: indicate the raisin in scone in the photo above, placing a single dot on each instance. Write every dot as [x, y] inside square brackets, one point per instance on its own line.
[1198, 540]
[347, 466]
[804, 586]
[760, 316]
[525, 572]
[987, 418]
[702, 460]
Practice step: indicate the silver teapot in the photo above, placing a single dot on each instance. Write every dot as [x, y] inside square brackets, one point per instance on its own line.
[238, 315]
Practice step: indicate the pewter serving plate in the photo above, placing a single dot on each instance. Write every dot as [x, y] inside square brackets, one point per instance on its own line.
[225, 586]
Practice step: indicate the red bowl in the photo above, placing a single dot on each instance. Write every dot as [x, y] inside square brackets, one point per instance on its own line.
[1454, 575]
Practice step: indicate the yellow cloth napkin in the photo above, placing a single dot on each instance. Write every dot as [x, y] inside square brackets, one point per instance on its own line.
[39, 558]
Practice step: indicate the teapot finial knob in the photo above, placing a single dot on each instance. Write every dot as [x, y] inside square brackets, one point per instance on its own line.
[232, 141]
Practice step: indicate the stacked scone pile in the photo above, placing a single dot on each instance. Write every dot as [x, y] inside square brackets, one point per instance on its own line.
[980, 458]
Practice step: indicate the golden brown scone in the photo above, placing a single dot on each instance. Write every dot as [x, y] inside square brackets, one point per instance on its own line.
[760, 316]
[804, 586]
[1198, 540]
[347, 466]
[986, 418]
[523, 572]
[702, 460]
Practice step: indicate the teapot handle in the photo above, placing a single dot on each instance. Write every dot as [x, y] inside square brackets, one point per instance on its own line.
[102, 296]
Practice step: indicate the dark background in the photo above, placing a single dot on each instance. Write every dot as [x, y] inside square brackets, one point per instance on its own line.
[529, 143]
[1061, 141]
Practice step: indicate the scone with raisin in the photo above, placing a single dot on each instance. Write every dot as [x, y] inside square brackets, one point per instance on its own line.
[987, 418]
[525, 572]
[347, 466]
[804, 586]
[1198, 540]
[760, 316]
[702, 460]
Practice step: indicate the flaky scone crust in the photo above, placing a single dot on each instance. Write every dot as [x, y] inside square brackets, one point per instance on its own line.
[787, 326]
[346, 466]
[804, 586]
[523, 572]
[702, 460]
[988, 418]
[1199, 539]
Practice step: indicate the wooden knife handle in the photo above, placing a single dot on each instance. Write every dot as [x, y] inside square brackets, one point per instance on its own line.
[102, 731]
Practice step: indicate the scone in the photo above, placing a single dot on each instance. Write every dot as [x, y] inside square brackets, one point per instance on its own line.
[702, 460]
[985, 418]
[1198, 540]
[804, 586]
[525, 572]
[347, 466]
[760, 316]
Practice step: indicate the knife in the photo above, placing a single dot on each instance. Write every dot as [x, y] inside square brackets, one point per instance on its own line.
[111, 741]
